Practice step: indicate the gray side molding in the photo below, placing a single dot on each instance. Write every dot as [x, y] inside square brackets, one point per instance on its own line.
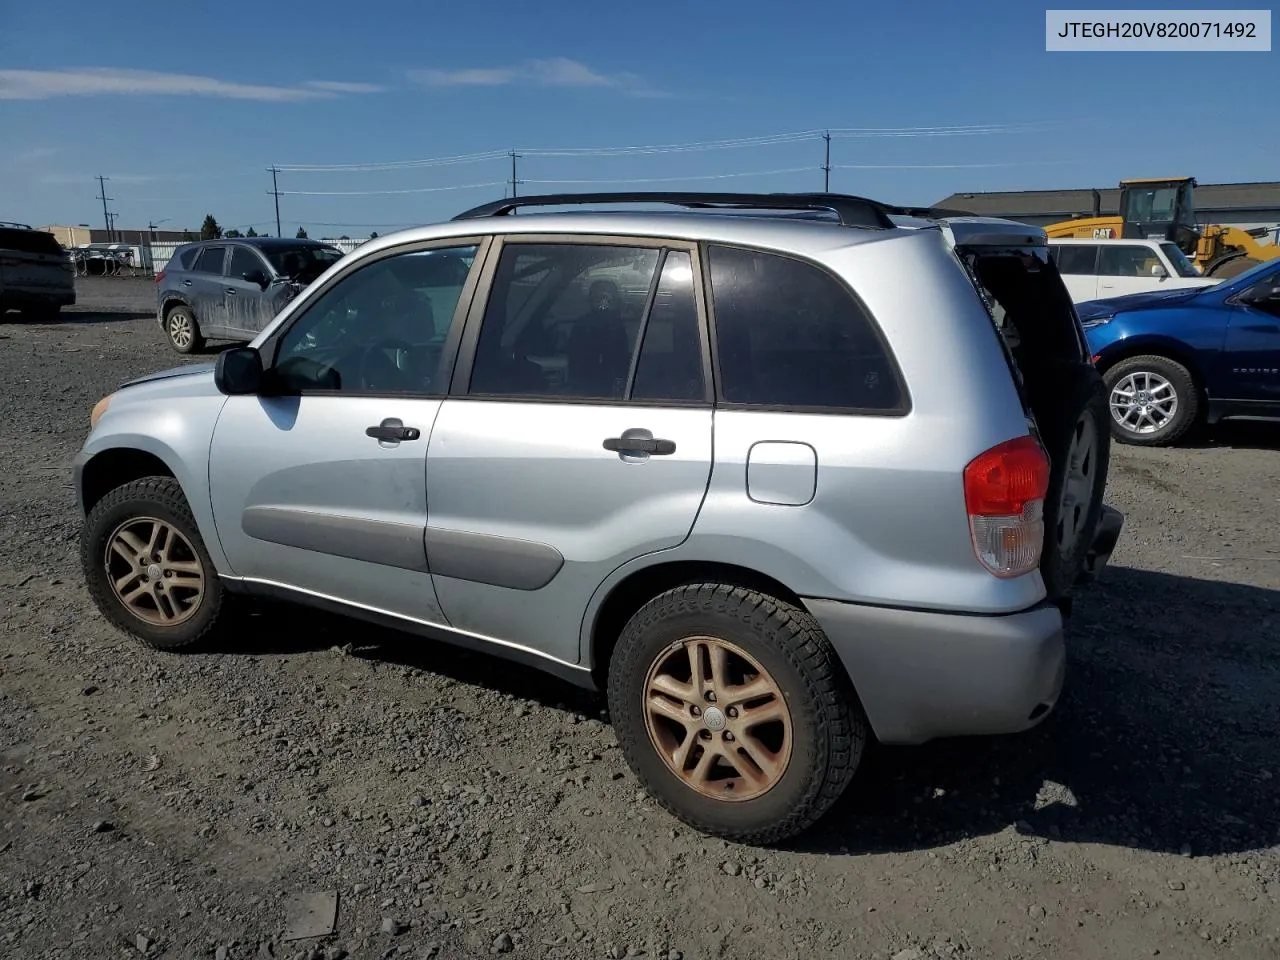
[485, 558]
[359, 538]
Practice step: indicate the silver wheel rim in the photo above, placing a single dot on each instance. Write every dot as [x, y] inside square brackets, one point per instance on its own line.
[180, 330]
[1077, 487]
[1143, 402]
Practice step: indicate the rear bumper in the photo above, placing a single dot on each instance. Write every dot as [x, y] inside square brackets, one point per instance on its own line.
[18, 298]
[922, 675]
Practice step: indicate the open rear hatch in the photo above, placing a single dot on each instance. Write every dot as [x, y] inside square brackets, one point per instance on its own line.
[1062, 392]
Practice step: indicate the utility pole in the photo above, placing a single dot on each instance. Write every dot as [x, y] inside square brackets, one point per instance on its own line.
[826, 163]
[102, 195]
[514, 181]
[275, 192]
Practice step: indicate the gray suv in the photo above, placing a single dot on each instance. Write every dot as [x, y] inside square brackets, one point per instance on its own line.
[231, 289]
[833, 476]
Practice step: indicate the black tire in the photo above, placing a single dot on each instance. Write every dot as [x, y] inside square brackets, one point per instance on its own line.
[828, 730]
[182, 330]
[161, 498]
[1075, 427]
[45, 313]
[1184, 415]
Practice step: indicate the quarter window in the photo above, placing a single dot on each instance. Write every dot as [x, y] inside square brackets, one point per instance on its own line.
[586, 322]
[789, 334]
[380, 329]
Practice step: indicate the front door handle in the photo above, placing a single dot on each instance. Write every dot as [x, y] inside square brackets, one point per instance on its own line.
[186, 283]
[231, 290]
[650, 445]
[392, 430]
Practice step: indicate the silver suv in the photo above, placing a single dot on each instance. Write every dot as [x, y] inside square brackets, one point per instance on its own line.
[832, 476]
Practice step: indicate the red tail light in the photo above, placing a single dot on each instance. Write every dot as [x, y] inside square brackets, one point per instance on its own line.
[160, 277]
[1004, 491]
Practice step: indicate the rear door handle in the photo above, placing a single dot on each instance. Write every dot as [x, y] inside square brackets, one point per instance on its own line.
[231, 290]
[392, 430]
[656, 447]
[186, 283]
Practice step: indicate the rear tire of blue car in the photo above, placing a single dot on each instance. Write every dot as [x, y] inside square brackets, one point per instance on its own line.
[757, 744]
[183, 331]
[146, 566]
[1153, 401]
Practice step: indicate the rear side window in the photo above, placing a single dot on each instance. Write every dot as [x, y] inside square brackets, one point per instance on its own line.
[790, 335]
[29, 241]
[1077, 260]
[188, 257]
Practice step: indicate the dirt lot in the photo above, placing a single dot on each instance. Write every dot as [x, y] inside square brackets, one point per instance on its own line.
[459, 807]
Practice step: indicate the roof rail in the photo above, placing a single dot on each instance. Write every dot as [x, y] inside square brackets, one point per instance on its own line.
[18, 226]
[851, 211]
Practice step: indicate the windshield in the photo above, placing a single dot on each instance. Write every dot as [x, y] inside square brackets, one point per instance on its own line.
[1181, 265]
[1248, 278]
[302, 263]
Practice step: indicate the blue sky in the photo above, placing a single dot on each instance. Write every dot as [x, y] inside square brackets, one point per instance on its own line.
[184, 106]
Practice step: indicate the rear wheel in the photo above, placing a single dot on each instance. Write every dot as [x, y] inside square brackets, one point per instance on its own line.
[732, 710]
[183, 331]
[1153, 400]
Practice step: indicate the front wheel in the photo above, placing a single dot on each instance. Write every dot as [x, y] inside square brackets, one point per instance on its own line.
[732, 710]
[183, 331]
[1153, 401]
[146, 565]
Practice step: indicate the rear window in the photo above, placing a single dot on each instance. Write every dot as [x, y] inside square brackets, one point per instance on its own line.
[789, 334]
[29, 241]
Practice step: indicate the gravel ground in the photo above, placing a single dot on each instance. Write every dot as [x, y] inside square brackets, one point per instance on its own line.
[177, 806]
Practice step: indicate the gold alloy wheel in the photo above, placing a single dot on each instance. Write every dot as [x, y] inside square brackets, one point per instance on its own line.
[717, 718]
[154, 571]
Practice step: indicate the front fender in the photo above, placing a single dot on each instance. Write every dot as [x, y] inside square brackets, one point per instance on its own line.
[176, 430]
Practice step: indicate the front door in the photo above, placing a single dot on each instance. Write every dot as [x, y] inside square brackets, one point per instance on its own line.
[1252, 348]
[321, 487]
[577, 436]
[1125, 268]
[248, 305]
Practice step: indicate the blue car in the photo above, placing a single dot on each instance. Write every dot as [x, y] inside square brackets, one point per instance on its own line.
[1173, 358]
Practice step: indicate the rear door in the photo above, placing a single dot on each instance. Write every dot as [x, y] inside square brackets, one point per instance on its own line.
[576, 437]
[247, 304]
[204, 287]
[1078, 265]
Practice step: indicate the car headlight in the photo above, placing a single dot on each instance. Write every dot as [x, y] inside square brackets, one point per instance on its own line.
[99, 409]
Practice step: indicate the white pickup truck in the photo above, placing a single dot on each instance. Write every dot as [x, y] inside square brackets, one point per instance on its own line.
[1099, 269]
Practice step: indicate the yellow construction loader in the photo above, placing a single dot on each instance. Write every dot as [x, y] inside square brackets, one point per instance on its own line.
[1164, 209]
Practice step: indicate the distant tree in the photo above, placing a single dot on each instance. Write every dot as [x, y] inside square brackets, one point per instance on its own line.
[210, 230]
[374, 235]
[301, 234]
[232, 234]
[344, 237]
[252, 232]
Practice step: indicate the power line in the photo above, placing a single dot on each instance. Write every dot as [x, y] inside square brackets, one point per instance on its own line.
[374, 193]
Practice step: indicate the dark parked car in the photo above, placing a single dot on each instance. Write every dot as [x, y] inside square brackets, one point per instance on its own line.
[36, 276]
[231, 289]
[1170, 359]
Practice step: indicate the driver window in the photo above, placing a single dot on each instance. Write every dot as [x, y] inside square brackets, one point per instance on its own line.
[380, 329]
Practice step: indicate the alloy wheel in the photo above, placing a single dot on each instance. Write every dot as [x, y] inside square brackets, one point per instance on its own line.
[1143, 402]
[154, 571]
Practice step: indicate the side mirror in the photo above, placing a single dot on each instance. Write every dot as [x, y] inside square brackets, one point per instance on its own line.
[238, 371]
[1158, 271]
[259, 277]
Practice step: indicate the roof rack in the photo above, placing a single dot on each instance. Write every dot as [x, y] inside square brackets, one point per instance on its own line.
[17, 226]
[851, 211]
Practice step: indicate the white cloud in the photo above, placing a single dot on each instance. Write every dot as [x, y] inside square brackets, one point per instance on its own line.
[343, 86]
[98, 81]
[551, 72]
